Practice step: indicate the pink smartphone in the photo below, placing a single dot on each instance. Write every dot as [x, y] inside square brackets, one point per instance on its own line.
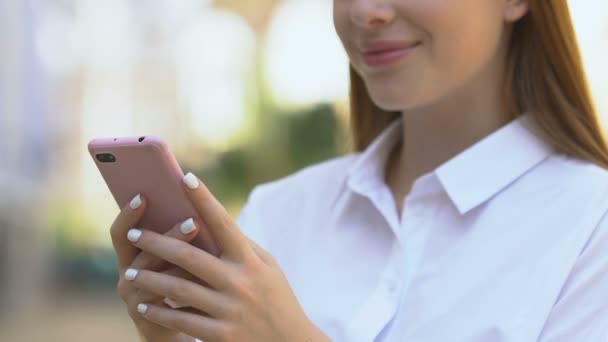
[145, 165]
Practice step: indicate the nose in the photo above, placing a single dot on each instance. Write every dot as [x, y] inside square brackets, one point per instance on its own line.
[372, 14]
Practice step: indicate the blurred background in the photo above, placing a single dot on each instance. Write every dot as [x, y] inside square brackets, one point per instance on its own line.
[243, 92]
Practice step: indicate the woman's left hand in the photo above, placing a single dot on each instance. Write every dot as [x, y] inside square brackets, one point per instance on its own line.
[248, 297]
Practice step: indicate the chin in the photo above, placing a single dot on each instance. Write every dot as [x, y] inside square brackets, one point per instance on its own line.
[393, 103]
[402, 101]
[394, 94]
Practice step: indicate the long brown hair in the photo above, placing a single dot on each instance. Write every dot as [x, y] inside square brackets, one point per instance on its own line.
[545, 77]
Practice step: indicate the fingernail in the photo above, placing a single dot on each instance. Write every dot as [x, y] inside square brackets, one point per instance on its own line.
[134, 234]
[131, 273]
[191, 181]
[135, 202]
[187, 226]
[142, 308]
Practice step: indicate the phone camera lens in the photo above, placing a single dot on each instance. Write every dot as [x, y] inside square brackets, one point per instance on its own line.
[106, 157]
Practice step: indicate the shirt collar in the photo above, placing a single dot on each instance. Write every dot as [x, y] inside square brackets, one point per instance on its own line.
[469, 178]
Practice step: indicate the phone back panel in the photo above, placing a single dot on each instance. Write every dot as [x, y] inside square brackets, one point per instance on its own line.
[150, 169]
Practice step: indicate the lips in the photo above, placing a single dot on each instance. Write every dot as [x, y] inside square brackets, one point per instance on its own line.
[382, 53]
[384, 46]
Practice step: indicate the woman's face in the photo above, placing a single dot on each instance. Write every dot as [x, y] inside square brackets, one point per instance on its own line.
[412, 53]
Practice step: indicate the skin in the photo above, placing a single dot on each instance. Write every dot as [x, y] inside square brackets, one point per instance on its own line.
[448, 89]
[241, 296]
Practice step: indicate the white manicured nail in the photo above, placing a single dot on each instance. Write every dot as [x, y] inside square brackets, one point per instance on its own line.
[135, 202]
[191, 181]
[142, 308]
[134, 234]
[187, 226]
[131, 273]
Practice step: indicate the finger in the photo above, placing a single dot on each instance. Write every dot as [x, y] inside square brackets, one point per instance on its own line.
[150, 296]
[183, 291]
[148, 328]
[198, 326]
[196, 261]
[264, 255]
[140, 295]
[128, 217]
[230, 239]
[185, 231]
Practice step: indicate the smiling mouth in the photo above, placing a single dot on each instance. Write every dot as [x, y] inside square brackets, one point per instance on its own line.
[388, 56]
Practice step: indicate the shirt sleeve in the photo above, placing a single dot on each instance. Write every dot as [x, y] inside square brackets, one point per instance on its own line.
[581, 312]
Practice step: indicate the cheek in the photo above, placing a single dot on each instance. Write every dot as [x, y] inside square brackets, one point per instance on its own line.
[464, 38]
[341, 19]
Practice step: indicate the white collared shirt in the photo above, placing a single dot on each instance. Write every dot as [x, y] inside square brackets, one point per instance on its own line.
[507, 241]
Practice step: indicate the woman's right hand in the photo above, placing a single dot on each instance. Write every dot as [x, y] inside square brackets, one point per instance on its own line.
[131, 257]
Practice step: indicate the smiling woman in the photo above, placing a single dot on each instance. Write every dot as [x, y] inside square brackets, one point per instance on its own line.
[473, 209]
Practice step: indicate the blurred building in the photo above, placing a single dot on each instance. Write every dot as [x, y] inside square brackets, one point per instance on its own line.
[25, 151]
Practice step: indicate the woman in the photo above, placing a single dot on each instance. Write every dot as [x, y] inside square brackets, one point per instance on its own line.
[474, 207]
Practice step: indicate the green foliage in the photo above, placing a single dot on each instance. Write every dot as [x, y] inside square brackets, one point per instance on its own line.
[311, 136]
[71, 229]
[78, 261]
[290, 142]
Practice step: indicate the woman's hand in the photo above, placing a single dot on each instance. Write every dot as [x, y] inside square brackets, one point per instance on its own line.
[247, 297]
[130, 256]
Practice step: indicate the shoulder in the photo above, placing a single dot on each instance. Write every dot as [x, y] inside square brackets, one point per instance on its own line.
[562, 194]
[575, 175]
[308, 190]
[582, 308]
[584, 184]
[326, 177]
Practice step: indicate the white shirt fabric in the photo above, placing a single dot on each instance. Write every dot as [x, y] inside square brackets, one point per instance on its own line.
[507, 241]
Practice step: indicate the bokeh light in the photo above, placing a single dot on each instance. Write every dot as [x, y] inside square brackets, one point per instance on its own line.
[305, 62]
